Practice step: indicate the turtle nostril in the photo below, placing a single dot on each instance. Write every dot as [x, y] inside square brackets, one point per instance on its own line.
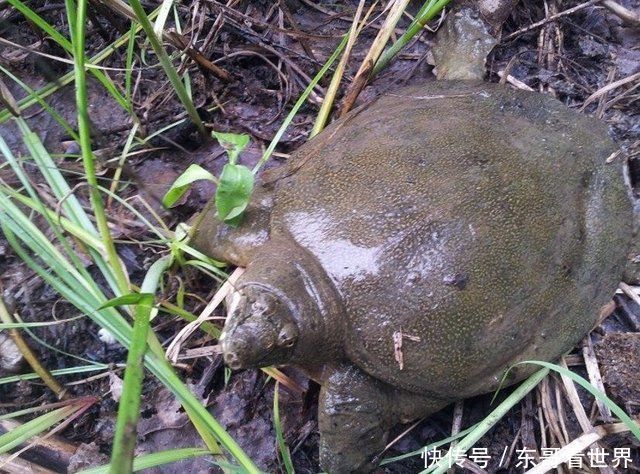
[232, 361]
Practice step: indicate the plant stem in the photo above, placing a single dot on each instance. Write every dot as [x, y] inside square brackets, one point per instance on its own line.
[485, 425]
[124, 441]
[50, 88]
[327, 103]
[30, 356]
[169, 70]
[78, 39]
[430, 9]
[301, 100]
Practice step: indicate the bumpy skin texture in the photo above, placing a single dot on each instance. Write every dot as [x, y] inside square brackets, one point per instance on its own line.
[480, 219]
[480, 223]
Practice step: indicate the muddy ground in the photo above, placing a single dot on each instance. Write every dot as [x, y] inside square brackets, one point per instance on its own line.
[270, 50]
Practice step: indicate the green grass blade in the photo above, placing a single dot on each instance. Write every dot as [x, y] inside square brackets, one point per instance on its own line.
[69, 202]
[62, 81]
[68, 371]
[429, 10]
[163, 14]
[67, 46]
[301, 100]
[31, 428]
[73, 229]
[148, 461]
[429, 447]
[13, 219]
[166, 64]
[37, 20]
[40, 324]
[124, 442]
[84, 131]
[128, 75]
[109, 318]
[485, 425]
[38, 205]
[282, 445]
[35, 409]
[162, 235]
[129, 407]
[33, 94]
[619, 412]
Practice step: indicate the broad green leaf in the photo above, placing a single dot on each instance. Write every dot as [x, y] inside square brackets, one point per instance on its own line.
[182, 183]
[232, 142]
[233, 193]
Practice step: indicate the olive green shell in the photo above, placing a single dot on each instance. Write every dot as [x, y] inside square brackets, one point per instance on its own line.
[466, 226]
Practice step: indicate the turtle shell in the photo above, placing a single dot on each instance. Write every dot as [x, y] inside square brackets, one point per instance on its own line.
[465, 225]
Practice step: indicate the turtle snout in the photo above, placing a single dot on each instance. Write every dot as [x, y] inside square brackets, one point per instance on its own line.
[259, 331]
[245, 346]
[258, 343]
[232, 360]
[249, 344]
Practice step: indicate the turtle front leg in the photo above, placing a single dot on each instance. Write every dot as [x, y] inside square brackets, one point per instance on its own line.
[355, 414]
[353, 420]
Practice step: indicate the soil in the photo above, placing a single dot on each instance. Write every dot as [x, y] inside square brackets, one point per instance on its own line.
[271, 50]
[619, 356]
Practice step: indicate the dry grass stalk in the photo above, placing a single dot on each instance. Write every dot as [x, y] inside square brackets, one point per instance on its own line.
[609, 87]
[332, 90]
[48, 448]
[456, 425]
[550, 18]
[551, 415]
[514, 81]
[362, 76]
[626, 15]
[22, 466]
[577, 446]
[31, 357]
[595, 377]
[174, 348]
[578, 410]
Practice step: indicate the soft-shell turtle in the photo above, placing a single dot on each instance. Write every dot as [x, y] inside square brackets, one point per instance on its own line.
[414, 250]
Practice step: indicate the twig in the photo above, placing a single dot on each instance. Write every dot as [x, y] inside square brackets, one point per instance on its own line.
[550, 19]
[53, 451]
[456, 425]
[294, 25]
[514, 81]
[578, 409]
[30, 356]
[610, 87]
[175, 39]
[22, 466]
[626, 15]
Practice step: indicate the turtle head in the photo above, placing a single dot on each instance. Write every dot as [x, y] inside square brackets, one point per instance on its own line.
[261, 328]
[283, 310]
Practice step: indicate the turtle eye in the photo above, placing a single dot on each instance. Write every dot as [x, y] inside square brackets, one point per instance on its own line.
[288, 335]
